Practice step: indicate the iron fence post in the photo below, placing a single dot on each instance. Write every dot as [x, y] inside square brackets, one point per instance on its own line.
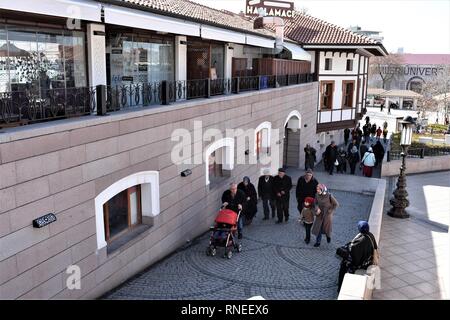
[101, 99]
[208, 88]
[165, 92]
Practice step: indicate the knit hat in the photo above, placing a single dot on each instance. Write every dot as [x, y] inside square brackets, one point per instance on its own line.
[323, 188]
[309, 202]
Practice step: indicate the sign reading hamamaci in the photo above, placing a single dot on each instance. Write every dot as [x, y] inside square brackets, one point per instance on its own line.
[275, 8]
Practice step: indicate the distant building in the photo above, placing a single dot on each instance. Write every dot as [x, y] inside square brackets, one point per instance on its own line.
[375, 35]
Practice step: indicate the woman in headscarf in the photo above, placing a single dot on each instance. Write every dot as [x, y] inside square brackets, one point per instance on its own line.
[353, 159]
[325, 205]
[368, 161]
[362, 252]
[250, 207]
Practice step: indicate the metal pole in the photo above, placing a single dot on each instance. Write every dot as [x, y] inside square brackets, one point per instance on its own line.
[400, 200]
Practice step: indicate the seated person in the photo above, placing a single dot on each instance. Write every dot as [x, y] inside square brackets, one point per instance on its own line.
[361, 251]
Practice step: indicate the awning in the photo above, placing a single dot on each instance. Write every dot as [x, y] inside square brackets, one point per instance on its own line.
[224, 35]
[82, 9]
[297, 52]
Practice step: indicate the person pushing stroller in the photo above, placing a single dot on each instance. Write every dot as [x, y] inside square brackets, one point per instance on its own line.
[234, 199]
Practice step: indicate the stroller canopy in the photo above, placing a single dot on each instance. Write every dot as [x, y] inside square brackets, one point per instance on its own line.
[227, 216]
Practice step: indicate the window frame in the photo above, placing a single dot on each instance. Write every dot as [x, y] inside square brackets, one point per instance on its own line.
[130, 190]
[347, 65]
[322, 83]
[345, 94]
[330, 65]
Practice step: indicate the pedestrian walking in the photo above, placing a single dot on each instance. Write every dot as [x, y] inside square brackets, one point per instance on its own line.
[234, 199]
[325, 204]
[310, 157]
[351, 145]
[331, 156]
[385, 133]
[282, 185]
[353, 159]
[379, 132]
[306, 187]
[307, 217]
[341, 161]
[378, 151]
[250, 207]
[346, 135]
[265, 192]
[368, 162]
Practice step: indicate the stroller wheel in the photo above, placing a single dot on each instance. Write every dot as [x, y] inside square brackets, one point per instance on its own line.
[213, 251]
[229, 254]
[239, 247]
[208, 251]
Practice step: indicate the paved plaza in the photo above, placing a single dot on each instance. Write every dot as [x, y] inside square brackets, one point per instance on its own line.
[275, 262]
[415, 251]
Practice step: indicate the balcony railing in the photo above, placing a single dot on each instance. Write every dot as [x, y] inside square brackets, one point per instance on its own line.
[419, 153]
[25, 107]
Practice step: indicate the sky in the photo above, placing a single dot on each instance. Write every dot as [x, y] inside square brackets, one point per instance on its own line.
[417, 26]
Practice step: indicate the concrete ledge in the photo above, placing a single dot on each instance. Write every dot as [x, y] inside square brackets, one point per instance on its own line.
[428, 164]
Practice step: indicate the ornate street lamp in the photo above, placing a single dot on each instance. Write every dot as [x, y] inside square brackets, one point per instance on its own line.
[400, 200]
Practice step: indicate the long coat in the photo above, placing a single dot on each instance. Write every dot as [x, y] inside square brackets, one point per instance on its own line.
[250, 205]
[327, 204]
[310, 157]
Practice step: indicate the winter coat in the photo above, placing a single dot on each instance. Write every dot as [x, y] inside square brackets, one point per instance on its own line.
[310, 157]
[361, 250]
[308, 215]
[233, 202]
[305, 189]
[250, 205]
[327, 204]
[282, 184]
[265, 189]
[368, 159]
[331, 154]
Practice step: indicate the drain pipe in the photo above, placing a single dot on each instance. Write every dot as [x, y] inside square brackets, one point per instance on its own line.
[260, 22]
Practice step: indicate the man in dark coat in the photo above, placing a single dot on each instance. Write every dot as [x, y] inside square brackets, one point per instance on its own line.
[346, 135]
[331, 156]
[310, 157]
[306, 187]
[234, 199]
[282, 185]
[250, 207]
[265, 192]
[378, 150]
[351, 145]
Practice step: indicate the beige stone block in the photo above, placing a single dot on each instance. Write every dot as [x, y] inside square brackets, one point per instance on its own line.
[46, 290]
[94, 133]
[8, 269]
[7, 199]
[23, 216]
[72, 217]
[72, 157]
[66, 179]
[101, 149]
[80, 232]
[51, 267]
[16, 287]
[134, 124]
[35, 167]
[84, 248]
[106, 270]
[15, 242]
[74, 196]
[7, 175]
[31, 191]
[5, 225]
[98, 168]
[41, 252]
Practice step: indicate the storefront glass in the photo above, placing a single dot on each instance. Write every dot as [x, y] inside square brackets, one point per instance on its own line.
[139, 58]
[40, 59]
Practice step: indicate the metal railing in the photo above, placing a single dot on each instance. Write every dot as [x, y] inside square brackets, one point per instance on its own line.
[419, 153]
[23, 107]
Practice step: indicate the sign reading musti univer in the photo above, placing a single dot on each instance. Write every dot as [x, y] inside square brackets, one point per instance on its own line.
[273, 8]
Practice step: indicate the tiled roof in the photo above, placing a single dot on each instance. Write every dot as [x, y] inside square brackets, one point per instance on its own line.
[195, 11]
[306, 29]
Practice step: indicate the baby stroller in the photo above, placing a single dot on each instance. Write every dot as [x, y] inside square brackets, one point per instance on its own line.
[224, 234]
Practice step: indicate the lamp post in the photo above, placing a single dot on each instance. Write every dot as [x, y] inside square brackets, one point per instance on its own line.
[400, 200]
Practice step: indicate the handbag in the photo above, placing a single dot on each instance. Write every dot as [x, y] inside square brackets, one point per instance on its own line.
[336, 163]
[343, 251]
[375, 254]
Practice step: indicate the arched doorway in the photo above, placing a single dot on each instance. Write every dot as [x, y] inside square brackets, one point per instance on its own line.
[291, 148]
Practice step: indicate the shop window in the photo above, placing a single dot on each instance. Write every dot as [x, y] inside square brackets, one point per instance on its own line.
[122, 212]
[326, 92]
[349, 65]
[348, 88]
[328, 63]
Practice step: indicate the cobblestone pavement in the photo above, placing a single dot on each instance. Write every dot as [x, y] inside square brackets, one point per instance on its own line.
[275, 262]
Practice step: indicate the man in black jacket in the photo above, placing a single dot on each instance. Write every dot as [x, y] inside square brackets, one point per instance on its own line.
[282, 185]
[306, 187]
[331, 156]
[265, 192]
[234, 199]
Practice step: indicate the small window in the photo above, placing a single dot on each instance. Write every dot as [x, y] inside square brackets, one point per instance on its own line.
[349, 65]
[328, 63]
[348, 88]
[326, 90]
[215, 166]
[122, 212]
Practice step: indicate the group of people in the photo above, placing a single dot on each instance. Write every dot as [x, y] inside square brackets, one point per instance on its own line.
[315, 203]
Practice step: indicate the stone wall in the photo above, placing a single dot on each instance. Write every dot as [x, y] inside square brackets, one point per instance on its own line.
[60, 167]
[427, 164]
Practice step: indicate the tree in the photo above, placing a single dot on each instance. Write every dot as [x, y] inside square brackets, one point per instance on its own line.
[436, 93]
[386, 67]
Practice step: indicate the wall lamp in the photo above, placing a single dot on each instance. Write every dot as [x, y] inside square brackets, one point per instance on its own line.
[186, 173]
[44, 220]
